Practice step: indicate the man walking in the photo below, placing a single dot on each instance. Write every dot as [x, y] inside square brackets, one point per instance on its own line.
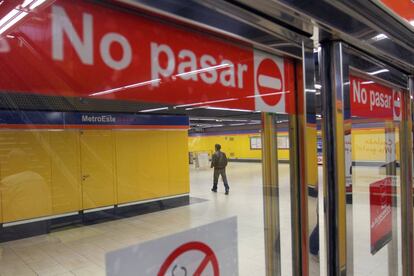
[219, 163]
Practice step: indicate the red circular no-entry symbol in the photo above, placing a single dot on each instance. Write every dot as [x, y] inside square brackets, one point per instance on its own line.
[269, 81]
[209, 258]
[397, 104]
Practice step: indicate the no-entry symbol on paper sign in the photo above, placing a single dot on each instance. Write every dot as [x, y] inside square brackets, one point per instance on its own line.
[269, 82]
[209, 249]
[208, 259]
[397, 105]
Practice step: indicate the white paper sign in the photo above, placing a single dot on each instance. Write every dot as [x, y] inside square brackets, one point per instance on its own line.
[207, 250]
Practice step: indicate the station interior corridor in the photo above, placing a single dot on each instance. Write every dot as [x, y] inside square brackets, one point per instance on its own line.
[81, 250]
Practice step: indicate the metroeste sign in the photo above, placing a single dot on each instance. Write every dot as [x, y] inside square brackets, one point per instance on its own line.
[372, 100]
[73, 48]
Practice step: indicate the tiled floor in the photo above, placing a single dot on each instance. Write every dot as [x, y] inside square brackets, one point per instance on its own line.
[81, 251]
[364, 262]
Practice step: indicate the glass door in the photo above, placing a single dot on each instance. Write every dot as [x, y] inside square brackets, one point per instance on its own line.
[365, 187]
[374, 205]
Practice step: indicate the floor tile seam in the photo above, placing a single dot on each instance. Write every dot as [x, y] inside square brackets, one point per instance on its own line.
[29, 267]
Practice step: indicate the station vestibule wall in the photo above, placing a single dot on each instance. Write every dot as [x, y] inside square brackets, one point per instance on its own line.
[236, 146]
[369, 146]
[41, 170]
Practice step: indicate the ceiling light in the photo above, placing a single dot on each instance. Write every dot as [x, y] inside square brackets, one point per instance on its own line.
[26, 3]
[229, 109]
[267, 94]
[224, 65]
[8, 16]
[36, 4]
[379, 37]
[154, 109]
[315, 50]
[378, 72]
[208, 102]
[118, 89]
[13, 22]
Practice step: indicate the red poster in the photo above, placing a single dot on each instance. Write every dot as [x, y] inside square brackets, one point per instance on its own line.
[80, 49]
[403, 8]
[380, 195]
[373, 100]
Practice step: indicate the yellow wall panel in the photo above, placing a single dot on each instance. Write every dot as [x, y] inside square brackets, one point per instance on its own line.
[142, 164]
[97, 168]
[157, 163]
[66, 176]
[130, 165]
[41, 172]
[241, 147]
[179, 181]
[368, 145]
[235, 146]
[283, 154]
[25, 175]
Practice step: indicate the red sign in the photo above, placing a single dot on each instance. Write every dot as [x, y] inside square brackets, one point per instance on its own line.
[80, 49]
[372, 100]
[381, 213]
[209, 259]
[269, 81]
[397, 105]
[403, 8]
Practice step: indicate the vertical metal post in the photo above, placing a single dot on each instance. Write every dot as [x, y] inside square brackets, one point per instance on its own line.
[295, 197]
[270, 195]
[332, 94]
[406, 153]
[391, 171]
[305, 107]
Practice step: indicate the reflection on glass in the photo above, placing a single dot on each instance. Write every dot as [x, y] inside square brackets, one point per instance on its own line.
[375, 197]
[25, 178]
[284, 166]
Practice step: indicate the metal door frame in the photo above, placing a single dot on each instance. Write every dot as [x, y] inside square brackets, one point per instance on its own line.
[299, 123]
[336, 58]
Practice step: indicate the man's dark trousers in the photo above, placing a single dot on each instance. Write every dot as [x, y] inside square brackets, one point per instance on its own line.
[217, 173]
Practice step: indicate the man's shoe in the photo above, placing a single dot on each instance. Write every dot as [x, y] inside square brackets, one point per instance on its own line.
[214, 190]
[227, 192]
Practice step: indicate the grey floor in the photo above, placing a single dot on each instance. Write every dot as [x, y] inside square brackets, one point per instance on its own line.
[81, 251]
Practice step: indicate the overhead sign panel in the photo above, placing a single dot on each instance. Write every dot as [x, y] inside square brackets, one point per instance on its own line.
[402, 8]
[372, 100]
[207, 250]
[83, 120]
[76, 48]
